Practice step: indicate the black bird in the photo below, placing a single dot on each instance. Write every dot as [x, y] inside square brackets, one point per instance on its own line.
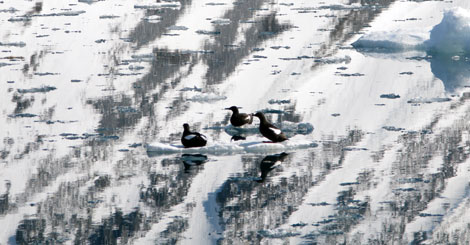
[239, 119]
[192, 139]
[268, 130]
[268, 163]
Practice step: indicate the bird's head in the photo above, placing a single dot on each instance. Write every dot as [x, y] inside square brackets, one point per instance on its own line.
[259, 115]
[232, 108]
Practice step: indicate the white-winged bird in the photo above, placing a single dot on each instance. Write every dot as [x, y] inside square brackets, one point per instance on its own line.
[268, 130]
[192, 139]
[239, 119]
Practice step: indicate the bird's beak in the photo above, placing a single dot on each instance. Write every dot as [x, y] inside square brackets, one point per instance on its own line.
[226, 108]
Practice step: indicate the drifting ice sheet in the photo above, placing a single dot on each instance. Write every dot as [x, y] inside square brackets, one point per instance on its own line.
[450, 37]
[231, 148]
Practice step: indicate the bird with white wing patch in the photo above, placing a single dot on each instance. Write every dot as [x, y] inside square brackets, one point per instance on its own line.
[192, 139]
[239, 119]
[268, 130]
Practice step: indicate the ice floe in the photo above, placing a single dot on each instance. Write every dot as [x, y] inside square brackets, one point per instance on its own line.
[428, 100]
[43, 89]
[172, 5]
[450, 37]
[230, 148]
[152, 18]
[390, 41]
[177, 28]
[206, 98]
[13, 44]
[221, 21]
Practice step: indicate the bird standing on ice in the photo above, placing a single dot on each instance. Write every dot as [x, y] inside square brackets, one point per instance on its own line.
[192, 139]
[239, 119]
[268, 130]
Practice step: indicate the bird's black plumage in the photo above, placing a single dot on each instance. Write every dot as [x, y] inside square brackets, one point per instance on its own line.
[192, 139]
[268, 130]
[239, 119]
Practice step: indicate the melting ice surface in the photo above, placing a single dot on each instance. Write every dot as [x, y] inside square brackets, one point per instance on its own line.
[218, 148]
[450, 37]
[447, 46]
[390, 41]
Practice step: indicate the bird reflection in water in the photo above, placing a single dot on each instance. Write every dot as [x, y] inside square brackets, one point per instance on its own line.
[269, 163]
[238, 137]
[190, 160]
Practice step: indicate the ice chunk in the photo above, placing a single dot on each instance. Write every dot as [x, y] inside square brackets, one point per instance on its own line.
[390, 41]
[45, 74]
[109, 16]
[19, 19]
[392, 128]
[334, 60]
[177, 28]
[428, 100]
[452, 35]
[206, 98]
[196, 89]
[230, 148]
[173, 5]
[344, 7]
[5, 64]
[215, 4]
[389, 96]
[9, 10]
[152, 18]
[43, 89]
[13, 44]
[272, 101]
[277, 233]
[66, 13]
[203, 32]
[221, 21]
[22, 115]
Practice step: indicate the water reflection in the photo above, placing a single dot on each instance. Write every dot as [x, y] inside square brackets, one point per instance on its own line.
[453, 72]
[190, 160]
[269, 163]
[4, 200]
[350, 23]
[146, 32]
[224, 60]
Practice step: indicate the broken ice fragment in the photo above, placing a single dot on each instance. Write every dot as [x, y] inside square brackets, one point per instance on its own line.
[203, 32]
[177, 28]
[43, 89]
[389, 96]
[22, 115]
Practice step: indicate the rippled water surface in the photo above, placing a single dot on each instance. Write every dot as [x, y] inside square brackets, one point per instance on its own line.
[94, 94]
